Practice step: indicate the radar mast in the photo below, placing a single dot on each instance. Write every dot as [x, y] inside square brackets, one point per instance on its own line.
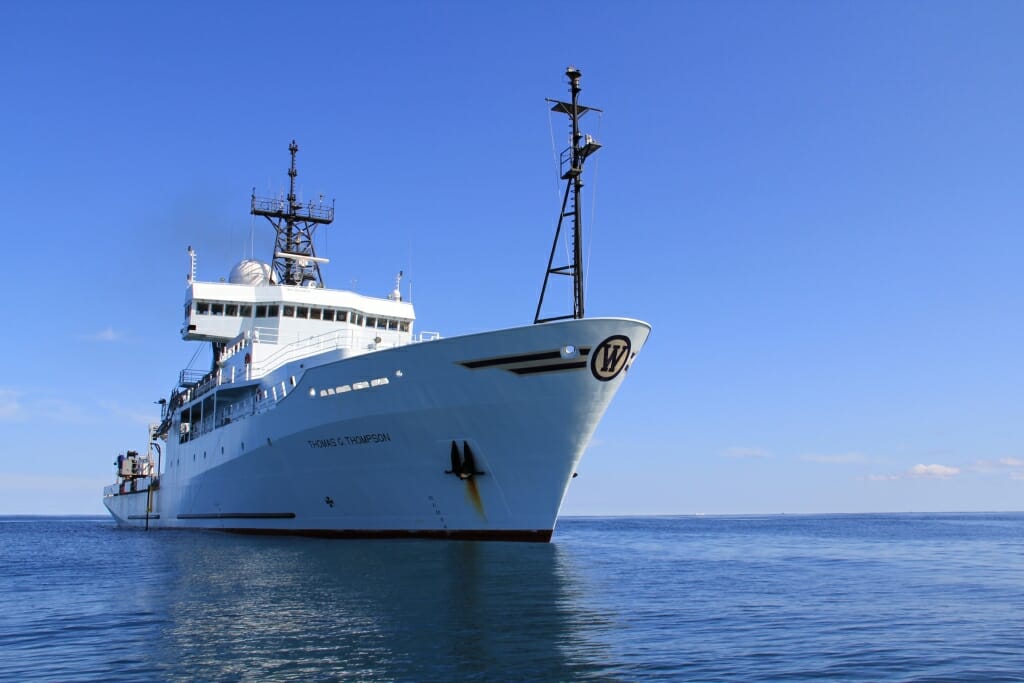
[295, 260]
[572, 173]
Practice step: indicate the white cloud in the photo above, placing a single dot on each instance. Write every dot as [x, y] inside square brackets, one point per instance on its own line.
[140, 418]
[60, 410]
[10, 408]
[106, 335]
[839, 458]
[933, 471]
[1012, 466]
[14, 405]
[745, 452]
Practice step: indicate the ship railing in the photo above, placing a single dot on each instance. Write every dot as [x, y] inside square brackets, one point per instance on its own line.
[190, 378]
[133, 485]
[263, 404]
[282, 208]
[268, 396]
[266, 335]
[330, 341]
[210, 381]
[196, 383]
[235, 346]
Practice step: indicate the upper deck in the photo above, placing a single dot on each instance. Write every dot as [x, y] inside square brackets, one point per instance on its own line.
[221, 311]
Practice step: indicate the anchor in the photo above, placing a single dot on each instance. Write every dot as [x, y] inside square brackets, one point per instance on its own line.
[463, 464]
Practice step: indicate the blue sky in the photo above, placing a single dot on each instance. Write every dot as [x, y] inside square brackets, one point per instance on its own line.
[817, 205]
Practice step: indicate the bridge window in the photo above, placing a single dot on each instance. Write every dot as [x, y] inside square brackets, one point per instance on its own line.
[371, 322]
[202, 307]
[341, 316]
[261, 311]
[231, 309]
[315, 313]
[403, 326]
[288, 311]
[328, 314]
[382, 324]
[301, 312]
[272, 311]
[392, 324]
[245, 310]
[217, 309]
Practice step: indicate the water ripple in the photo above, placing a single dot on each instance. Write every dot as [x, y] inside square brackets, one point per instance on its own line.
[839, 598]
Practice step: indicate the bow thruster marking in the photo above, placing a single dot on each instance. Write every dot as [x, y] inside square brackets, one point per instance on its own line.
[532, 363]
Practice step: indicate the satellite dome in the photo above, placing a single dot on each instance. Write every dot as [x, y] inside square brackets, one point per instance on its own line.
[251, 272]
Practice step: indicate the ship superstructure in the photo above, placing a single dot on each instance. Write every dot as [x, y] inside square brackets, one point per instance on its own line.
[324, 413]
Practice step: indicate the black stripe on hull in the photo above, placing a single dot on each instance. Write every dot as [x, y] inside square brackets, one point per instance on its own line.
[553, 367]
[530, 363]
[520, 535]
[508, 360]
[143, 517]
[512, 535]
[238, 515]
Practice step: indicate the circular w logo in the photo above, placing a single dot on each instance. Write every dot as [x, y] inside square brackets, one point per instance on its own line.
[610, 357]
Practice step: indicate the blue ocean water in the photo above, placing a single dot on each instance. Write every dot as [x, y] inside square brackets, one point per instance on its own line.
[931, 597]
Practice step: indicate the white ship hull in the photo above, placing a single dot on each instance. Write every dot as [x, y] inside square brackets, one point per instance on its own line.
[376, 460]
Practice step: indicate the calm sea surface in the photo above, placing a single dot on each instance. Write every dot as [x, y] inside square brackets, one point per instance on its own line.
[776, 598]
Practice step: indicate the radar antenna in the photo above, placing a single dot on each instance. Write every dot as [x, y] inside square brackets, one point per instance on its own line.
[295, 261]
[572, 173]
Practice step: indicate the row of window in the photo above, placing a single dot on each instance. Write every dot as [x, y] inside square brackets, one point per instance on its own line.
[304, 312]
[345, 388]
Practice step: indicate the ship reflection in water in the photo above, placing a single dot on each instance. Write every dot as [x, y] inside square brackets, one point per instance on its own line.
[246, 608]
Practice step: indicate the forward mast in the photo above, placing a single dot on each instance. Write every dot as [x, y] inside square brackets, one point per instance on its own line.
[295, 260]
[571, 167]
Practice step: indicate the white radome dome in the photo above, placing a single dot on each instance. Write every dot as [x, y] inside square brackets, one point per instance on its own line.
[251, 272]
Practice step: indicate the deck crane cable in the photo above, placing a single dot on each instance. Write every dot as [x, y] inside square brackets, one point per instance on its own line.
[593, 205]
[566, 238]
[554, 159]
[558, 195]
[323, 233]
[195, 355]
[558, 176]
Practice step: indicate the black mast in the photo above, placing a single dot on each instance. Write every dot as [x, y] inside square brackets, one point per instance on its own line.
[573, 156]
[295, 261]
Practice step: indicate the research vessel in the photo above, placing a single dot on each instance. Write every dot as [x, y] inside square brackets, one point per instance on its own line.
[325, 414]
